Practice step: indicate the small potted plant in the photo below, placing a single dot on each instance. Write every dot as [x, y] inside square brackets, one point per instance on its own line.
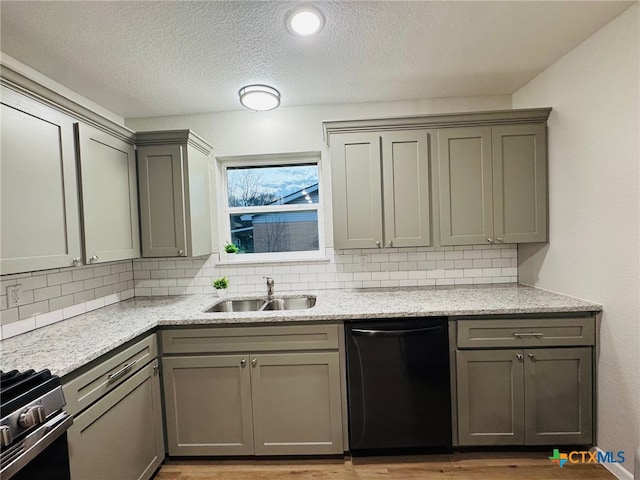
[221, 284]
[231, 248]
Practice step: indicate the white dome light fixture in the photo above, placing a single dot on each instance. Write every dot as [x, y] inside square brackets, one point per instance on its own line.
[259, 97]
[305, 21]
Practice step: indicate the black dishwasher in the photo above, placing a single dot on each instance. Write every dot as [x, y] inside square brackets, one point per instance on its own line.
[398, 384]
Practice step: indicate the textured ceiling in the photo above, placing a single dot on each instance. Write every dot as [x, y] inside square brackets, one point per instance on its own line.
[167, 58]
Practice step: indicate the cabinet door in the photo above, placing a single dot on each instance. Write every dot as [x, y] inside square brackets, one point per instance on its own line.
[120, 436]
[490, 397]
[162, 200]
[208, 405]
[109, 196]
[559, 396]
[356, 190]
[296, 403]
[40, 216]
[198, 203]
[406, 193]
[465, 185]
[520, 183]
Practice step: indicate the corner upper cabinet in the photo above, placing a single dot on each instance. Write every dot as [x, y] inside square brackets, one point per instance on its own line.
[175, 214]
[109, 195]
[40, 216]
[493, 184]
[380, 184]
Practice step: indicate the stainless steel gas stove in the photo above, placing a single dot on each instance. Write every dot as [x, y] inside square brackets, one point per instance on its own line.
[33, 426]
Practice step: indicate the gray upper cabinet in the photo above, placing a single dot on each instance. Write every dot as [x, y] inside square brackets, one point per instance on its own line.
[109, 196]
[487, 182]
[380, 185]
[175, 214]
[493, 184]
[40, 216]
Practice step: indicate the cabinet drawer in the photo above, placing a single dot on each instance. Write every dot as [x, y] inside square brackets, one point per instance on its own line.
[526, 332]
[85, 389]
[250, 339]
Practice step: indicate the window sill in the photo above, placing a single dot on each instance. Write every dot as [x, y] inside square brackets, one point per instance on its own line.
[256, 261]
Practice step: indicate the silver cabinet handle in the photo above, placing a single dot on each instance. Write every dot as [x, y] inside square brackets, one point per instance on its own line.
[123, 371]
[93, 258]
[76, 261]
[532, 356]
[390, 243]
[531, 334]
[519, 356]
[254, 362]
[243, 362]
[490, 240]
[500, 239]
[378, 243]
[180, 252]
[156, 369]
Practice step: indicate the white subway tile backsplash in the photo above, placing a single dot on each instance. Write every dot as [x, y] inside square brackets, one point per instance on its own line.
[16, 328]
[57, 294]
[47, 293]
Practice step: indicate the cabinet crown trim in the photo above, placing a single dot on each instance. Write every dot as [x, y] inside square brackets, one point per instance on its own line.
[494, 117]
[164, 137]
[34, 90]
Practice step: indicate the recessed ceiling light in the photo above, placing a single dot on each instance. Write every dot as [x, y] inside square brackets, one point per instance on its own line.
[259, 97]
[305, 21]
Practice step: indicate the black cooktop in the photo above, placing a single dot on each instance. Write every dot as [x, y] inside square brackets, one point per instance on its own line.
[19, 388]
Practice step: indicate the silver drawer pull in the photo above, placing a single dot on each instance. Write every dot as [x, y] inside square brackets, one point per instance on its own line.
[127, 367]
[532, 334]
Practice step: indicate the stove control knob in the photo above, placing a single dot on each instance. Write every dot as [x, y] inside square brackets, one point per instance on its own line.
[32, 416]
[5, 436]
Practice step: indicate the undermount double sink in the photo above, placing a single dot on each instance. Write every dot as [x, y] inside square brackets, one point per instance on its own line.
[261, 304]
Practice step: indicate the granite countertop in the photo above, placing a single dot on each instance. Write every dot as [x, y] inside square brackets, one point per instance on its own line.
[68, 345]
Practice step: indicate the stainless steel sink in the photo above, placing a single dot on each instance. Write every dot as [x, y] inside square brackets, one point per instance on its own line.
[262, 304]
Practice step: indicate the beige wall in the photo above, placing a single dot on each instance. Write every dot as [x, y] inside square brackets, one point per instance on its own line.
[594, 205]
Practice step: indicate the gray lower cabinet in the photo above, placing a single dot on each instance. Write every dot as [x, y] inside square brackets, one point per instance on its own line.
[380, 186]
[175, 213]
[538, 396]
[109, 196]
[117, 430]
[492, 184]
[40, 211]
[208, 405]
[283, 398]
[121, 435]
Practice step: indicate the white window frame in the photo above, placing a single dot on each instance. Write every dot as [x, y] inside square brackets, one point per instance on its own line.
[270, 160]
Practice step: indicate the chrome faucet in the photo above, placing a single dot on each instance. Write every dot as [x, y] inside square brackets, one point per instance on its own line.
[270, 285]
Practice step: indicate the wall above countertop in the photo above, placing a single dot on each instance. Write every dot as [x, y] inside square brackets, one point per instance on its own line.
[391, 267]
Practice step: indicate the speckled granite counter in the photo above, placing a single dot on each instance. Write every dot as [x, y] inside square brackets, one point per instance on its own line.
[70, 344]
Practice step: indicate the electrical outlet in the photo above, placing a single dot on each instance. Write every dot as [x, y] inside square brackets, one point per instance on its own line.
[364, 262]
[14, 292]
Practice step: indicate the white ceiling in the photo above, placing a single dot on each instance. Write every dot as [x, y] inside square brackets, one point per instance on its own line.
[167, 58]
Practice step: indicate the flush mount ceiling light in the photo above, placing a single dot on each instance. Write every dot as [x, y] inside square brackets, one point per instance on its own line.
[305, 21]
[259, 97]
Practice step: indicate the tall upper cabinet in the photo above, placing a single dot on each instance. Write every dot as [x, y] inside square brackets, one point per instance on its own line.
[40, 217]
[454, 179]
[380, 185]
[493, 184]
[63, 190]
[175, 213]
[109, 195]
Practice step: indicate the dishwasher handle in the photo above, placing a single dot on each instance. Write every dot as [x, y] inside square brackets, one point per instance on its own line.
[394, 333]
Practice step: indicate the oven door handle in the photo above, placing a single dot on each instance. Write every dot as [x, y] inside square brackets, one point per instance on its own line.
[36, 443]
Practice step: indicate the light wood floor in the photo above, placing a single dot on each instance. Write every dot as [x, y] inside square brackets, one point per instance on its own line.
[467, 466]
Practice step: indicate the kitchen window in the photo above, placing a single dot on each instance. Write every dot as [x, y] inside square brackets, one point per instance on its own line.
[273, 208]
